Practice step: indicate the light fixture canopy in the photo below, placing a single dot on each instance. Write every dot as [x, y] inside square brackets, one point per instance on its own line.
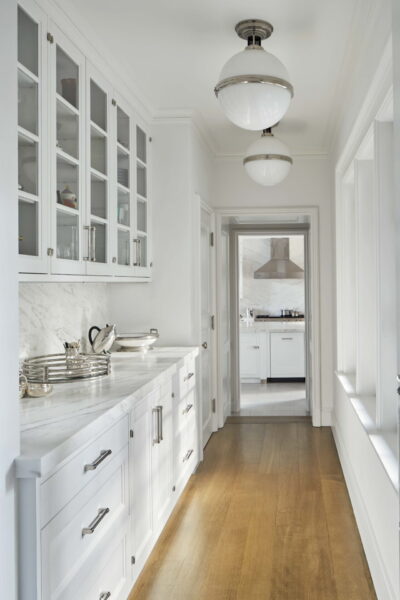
[254, 90]
[267, 160]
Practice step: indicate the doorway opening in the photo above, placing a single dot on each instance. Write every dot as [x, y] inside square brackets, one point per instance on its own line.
[272, 307]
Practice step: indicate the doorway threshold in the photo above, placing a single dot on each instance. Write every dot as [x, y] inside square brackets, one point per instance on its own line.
[238, 420]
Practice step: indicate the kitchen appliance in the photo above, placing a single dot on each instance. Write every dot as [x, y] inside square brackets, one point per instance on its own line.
[137, 342]
[279, 266]
[104, 339]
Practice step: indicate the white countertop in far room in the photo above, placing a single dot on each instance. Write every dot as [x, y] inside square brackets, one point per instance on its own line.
[271, 326]
[55, 426]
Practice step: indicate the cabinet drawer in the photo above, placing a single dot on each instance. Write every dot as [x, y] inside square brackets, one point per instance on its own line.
[287, 354]
[184, 412]
[61, 487]
[185, 456]
[108, 575]
[82, 527]
[187, 376]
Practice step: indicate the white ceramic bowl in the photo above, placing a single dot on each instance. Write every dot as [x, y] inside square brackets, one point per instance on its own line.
[137, 342]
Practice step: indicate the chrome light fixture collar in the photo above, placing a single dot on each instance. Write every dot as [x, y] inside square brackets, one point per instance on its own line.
[267, 157]
[254, 28]
[253, 79]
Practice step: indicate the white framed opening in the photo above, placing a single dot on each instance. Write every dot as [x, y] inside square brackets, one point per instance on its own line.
[271, 310]
[276, 219]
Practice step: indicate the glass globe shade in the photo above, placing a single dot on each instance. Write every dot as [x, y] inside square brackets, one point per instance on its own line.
[256, 104]
[267, 160]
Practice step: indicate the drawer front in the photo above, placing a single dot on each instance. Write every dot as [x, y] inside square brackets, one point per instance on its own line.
[61, 487]
[108, 577]
[187, 376]
[80, 529]
[185, 456]
[184, 412]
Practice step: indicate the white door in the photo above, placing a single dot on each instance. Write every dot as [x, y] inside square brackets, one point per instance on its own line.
[206, 327]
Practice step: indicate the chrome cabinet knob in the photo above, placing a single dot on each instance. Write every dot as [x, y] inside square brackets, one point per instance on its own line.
[205, 345]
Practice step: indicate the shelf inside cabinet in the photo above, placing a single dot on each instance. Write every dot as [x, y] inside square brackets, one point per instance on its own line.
[123, 137]
[67, 209]
[27, 163]
[68, 105]
[73, 162]
[26, 197]
[26, 138]
[67, 74]
[141, 233]
[141, 143]
[67, 183]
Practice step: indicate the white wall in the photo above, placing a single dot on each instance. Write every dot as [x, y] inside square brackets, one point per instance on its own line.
[310, 183]
[182, 167]
[9, 404]
[374, 497]
[53, 313]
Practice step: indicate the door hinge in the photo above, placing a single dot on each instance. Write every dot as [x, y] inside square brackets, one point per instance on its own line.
[50, 252]
[131, 433]
[173, 488]
[213, 405]
[212, 322]
[212, 239]
[114, 102]
[133, 560]
[50, 38]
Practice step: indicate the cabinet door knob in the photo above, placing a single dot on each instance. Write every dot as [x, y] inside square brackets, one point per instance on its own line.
[205, 345]
[256, 347]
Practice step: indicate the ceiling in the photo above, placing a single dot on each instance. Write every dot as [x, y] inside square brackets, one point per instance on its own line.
[174, 51]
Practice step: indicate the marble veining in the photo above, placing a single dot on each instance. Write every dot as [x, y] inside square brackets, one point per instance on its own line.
[270, 295]
[52, 313]
[57, 425]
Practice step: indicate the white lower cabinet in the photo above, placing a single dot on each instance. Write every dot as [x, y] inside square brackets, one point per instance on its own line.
[287, 354]
[86, 529]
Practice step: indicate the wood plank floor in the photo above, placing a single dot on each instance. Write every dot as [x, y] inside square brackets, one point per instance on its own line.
[266, 517]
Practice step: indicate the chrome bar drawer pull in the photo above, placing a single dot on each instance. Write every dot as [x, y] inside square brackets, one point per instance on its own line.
[105, 596]
[187, 455]
[103, 455]
[187, 409]
[189, 376]
[160, 421]
[96, 521]
[286, 338]
[157, 438]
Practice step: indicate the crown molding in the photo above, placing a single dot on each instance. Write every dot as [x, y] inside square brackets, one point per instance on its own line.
[190, 116]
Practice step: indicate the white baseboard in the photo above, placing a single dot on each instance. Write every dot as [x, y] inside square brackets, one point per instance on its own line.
[326, 417]
[383, 586]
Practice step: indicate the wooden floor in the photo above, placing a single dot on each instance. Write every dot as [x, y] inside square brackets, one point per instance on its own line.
[266, 517]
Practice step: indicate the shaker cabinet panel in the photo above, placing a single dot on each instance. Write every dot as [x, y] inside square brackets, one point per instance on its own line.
[287, 354]
[250, 355]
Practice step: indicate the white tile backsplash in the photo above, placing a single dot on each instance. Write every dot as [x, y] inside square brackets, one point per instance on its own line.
[270, 295]
[52, 313]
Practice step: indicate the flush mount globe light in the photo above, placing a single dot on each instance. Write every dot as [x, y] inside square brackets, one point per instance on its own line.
[254, 90]
[267, 160]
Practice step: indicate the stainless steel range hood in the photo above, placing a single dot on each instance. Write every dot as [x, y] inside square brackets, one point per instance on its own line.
[280, 266]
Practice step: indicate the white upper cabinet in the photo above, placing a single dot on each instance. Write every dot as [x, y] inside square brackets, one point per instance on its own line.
[32, 136]
[83, 181]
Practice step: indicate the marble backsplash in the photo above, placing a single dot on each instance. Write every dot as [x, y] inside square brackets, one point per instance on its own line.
[52, 313]
[269, 295]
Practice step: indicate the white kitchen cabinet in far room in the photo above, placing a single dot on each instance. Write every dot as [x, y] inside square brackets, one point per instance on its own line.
[254, 360]
[287, 354]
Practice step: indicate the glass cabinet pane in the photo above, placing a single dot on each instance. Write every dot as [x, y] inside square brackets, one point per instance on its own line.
[67, 236]
[123, 208]
[98, 105]
[141, 152]
[27, 102]
[67, 183]
[123, 168]
[67, 78]
[67, 130]
[100, 241]
[124, 253]
[122, 128]
[28, 54]
[142, 216]
[98, 151]
[27, 165]
[28, 228]
[98, 197]
[141, 180]
[141, 251]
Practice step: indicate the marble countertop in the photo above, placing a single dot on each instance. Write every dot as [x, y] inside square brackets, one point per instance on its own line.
[274, 325]
[53, 427]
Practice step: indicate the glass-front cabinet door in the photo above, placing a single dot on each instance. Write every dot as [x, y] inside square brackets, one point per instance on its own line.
[142, 249]
[67, 71]
[125, 217]
[32, 189]
[99, 174]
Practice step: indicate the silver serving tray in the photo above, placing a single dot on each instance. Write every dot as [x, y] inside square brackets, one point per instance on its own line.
[56, 368]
